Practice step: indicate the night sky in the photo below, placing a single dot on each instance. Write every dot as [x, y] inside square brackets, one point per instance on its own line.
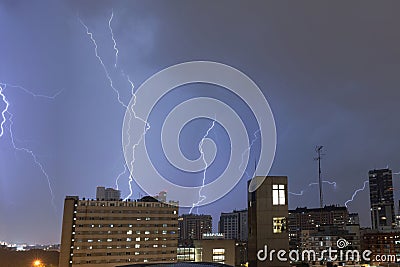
[329, 70]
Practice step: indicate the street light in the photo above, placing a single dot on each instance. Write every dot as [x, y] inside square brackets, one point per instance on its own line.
[37, 263]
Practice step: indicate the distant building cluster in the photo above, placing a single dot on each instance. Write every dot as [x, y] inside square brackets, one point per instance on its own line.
[109, 232]
[26, 247]
[103, 193]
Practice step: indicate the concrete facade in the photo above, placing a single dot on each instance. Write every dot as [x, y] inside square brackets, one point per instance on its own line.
[216, 251]
[234, 225]
[193, 226]
[108, 233]
[267, 215]
[381, 199]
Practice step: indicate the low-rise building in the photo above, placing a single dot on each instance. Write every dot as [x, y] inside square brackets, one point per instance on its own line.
[216, 250]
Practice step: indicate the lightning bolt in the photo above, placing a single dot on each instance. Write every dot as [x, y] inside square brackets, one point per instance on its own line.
[29, 92]
[202, 197]
[356, 192]
[90, 34]
[119, 176]
[131, 112]
[3, 112]
[112, 37]
[313, 184]
[6, 110]
[247, 150]
[34, 157]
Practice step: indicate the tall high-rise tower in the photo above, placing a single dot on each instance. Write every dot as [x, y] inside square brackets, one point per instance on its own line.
[381, 198]
[234, 225]
[267, 221]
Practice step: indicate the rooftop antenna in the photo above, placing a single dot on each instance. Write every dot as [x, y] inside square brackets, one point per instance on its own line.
[321, 198]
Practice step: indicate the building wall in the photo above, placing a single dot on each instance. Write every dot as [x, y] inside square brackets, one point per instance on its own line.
[381, 199]
[243, 225]
[381, 243]
[229, 225]
[309, 219]
[261, 214]
[110, 233]
[66, 231]
[326, 237]
[216, 250]
[241, 254]
[103, 193]
[193, 226]
[234, 225]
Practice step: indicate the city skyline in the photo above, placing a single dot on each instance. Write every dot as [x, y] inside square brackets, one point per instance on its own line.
[330, 78]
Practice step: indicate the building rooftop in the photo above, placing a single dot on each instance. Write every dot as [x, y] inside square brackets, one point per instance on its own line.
[326, 208]
[178, 264]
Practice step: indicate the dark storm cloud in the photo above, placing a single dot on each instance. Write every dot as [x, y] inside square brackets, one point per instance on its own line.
[328, 69]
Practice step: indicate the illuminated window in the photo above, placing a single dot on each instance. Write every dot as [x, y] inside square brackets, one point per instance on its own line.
[129, 232]
[137, 246]
[219, 258]
[218, 255]
[137, 238]
[218, 251]
[278, 194]
[279, 225]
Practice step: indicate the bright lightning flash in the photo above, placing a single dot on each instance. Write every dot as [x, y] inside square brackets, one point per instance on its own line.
[313, 184]
[131, 112]
[90, 34]
[203, 197]
[3, 112]
[10, 115]
[146, 128]
[248, 150]
[356, 192]
[112, 37]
